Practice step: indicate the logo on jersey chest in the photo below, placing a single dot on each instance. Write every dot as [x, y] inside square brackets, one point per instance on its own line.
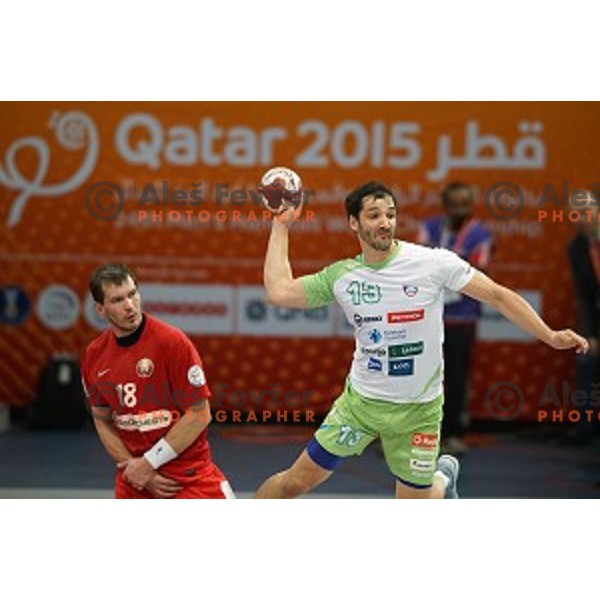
[410, 290]
[144, 367]
[407, 349]
[375, 336]
[374, 351]
[406, 316]
[360, 320]
[374, 364]
[399, 368]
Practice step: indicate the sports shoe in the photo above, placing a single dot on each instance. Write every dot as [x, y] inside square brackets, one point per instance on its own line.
[450, 467]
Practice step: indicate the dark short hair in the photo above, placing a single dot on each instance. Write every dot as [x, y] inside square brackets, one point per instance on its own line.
[115, 274]
[354, 200]
[453, 187]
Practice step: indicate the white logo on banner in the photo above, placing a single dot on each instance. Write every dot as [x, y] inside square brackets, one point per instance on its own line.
[91, 316]
[256, 317]
[189, 307]
[58, 307]
[493, 327]
[74, 131]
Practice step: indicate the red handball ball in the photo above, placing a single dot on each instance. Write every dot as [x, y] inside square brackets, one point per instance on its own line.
[280, 189]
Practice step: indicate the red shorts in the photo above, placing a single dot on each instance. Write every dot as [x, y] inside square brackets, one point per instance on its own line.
[212, 485]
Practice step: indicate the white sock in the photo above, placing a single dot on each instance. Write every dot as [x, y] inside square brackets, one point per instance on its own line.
[445, 479]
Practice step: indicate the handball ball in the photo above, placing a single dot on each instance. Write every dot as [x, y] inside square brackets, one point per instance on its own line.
[280, 189]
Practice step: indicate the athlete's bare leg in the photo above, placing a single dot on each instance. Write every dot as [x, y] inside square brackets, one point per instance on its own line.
[436, 491]
[303, 476]
[444, 482]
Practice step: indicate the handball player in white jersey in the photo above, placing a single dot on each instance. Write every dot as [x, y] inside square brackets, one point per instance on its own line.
[393, 295]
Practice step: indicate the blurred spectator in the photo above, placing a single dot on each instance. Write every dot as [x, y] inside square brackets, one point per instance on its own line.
[457, 230]
[584, 257]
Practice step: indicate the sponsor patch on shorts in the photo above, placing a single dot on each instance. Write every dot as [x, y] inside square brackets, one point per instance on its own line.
[424, 440]
[424, 452]
[421, 465]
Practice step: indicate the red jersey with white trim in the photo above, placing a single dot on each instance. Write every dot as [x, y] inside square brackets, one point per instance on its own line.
[146, 381]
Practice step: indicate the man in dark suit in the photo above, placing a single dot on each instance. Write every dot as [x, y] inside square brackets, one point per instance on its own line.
[584, 257]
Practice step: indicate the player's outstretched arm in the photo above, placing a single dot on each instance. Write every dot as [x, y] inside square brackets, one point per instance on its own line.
[281, 287]
[520, 312]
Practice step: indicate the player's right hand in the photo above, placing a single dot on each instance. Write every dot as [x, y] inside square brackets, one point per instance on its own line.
[163, 487]
[289, 215]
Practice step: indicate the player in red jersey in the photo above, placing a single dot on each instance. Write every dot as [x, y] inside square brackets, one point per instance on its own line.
[149, 398]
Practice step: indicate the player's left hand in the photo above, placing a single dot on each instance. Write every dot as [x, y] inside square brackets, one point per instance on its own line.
[567, 338]
[137, 473]
[163, 487]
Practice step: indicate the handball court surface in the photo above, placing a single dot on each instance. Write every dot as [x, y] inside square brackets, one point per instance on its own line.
[528, 463]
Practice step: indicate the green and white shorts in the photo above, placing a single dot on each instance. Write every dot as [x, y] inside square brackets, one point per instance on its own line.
[409, 433]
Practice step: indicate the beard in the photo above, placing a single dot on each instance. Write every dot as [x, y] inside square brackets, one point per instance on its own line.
[374, 239]
[125, 324]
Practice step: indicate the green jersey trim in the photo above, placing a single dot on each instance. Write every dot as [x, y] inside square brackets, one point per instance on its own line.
[382, 264]
[433, 378]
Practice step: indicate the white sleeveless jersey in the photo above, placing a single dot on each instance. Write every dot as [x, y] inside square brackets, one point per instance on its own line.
[396, 308]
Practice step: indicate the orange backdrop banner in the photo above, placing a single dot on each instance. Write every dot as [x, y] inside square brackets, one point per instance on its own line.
[169, 189]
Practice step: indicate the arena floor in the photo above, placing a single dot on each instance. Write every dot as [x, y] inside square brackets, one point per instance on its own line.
[498, 465]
